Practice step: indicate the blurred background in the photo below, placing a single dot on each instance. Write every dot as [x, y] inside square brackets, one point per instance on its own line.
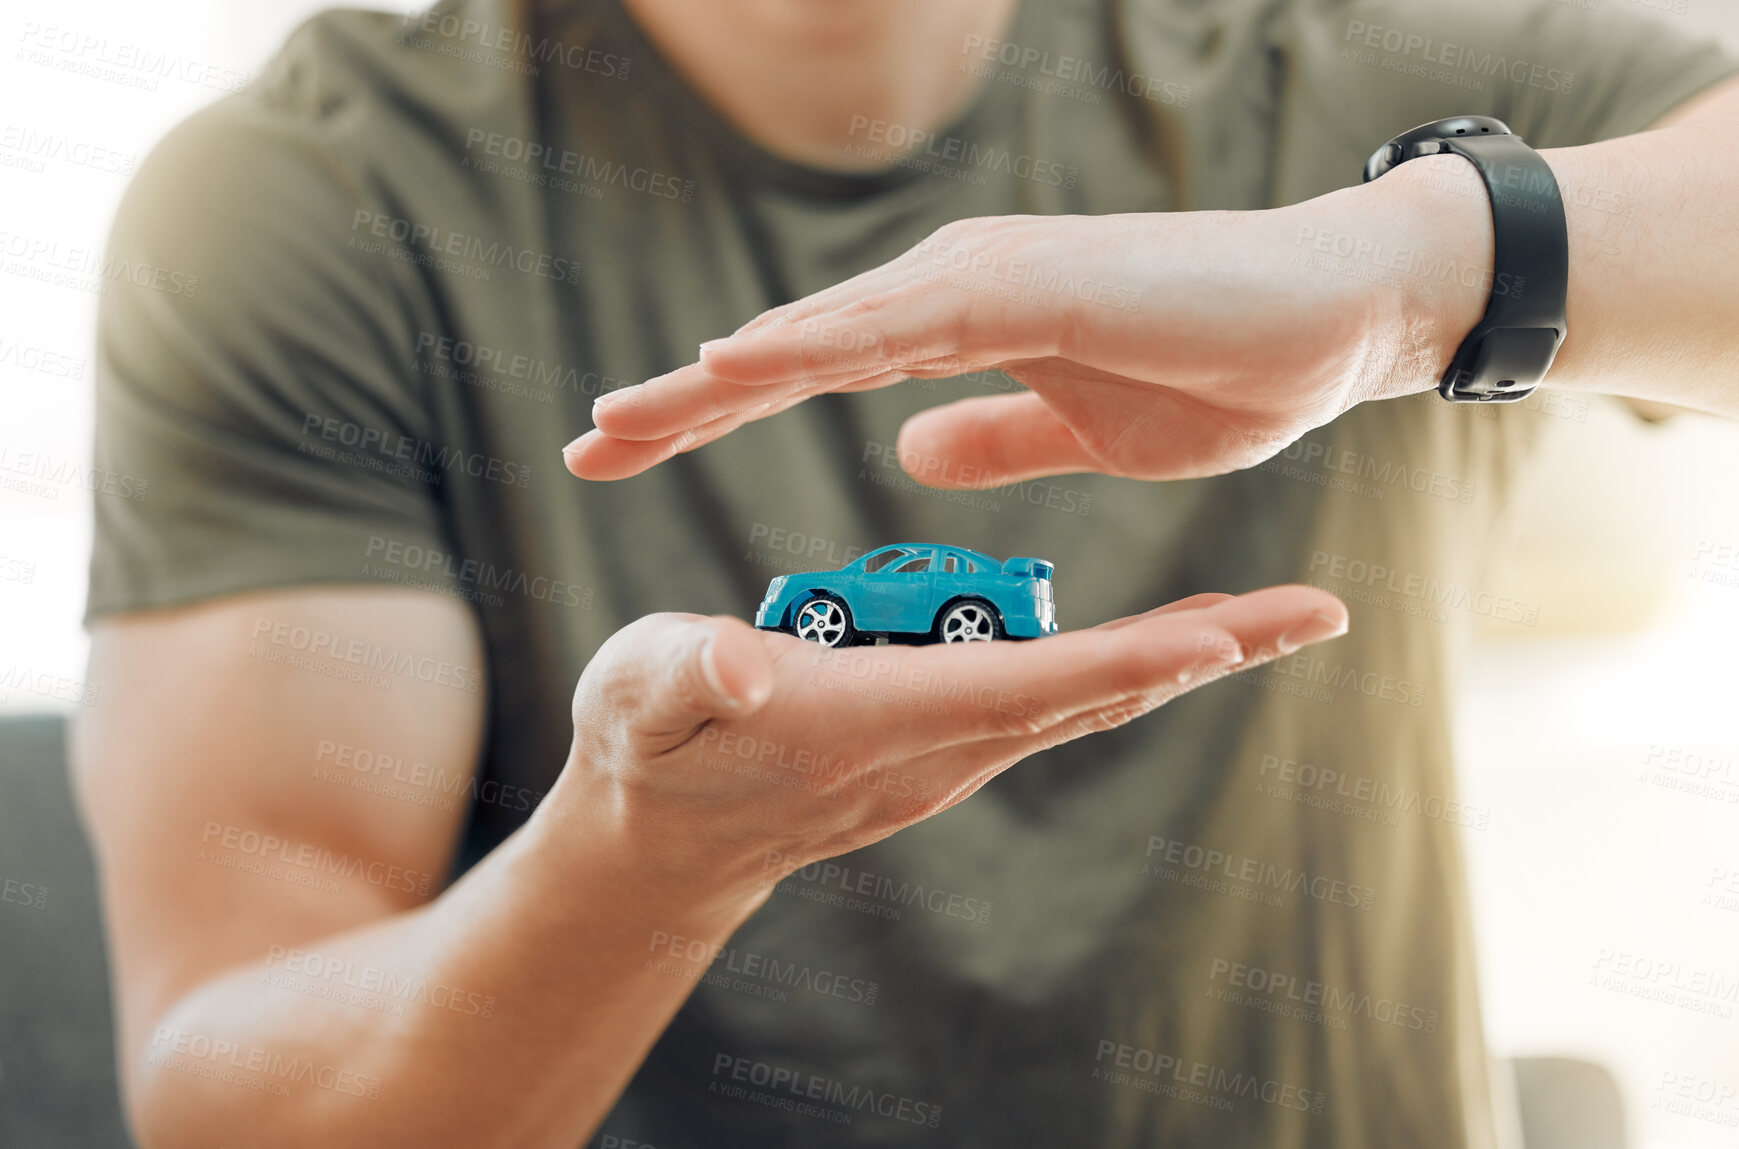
[1604, 739]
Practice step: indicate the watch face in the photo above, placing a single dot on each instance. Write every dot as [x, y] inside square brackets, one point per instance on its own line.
[1406, 146]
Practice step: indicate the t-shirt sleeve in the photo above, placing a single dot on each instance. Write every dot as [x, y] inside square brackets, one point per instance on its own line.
[1558, 72]
[255, 375]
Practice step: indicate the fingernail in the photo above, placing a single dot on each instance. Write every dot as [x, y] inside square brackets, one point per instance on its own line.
[709, 670]
[573, 446]
[1313, 629]
[710, 344]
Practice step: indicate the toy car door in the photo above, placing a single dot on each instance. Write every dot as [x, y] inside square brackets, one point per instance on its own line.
[896, 598]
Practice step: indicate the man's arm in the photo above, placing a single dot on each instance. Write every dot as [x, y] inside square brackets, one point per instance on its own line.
[1653, 222]
[256, 892]
[285, 971]
[1217, 338]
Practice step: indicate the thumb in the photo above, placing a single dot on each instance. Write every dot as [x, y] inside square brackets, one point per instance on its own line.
[709, 668]
[1003, 438]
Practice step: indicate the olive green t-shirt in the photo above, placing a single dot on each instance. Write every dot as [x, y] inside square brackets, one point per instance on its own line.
[412, 254]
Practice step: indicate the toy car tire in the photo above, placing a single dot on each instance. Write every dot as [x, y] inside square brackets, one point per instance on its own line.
[968, 620]
[824, 619]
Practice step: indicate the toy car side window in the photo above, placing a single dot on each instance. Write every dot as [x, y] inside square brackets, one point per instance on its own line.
[950, 565]
[971, 567]
[877, 561]
[916, 566]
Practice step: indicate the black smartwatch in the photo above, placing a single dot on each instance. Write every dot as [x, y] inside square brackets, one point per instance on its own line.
[1510, 350]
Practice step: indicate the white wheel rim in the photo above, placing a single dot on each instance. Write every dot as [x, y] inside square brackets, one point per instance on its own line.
[967, 622]
[822, 621]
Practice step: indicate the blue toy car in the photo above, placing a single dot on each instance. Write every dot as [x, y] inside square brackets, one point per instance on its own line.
[912, 593]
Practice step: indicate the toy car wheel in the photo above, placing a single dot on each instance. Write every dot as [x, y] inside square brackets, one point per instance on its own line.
[824, 619]
[969, 620]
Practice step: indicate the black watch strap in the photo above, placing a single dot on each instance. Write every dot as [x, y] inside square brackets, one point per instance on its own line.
[1512, 347]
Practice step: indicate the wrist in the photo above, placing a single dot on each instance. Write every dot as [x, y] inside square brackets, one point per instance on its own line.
[596, 835]
[1442, 252]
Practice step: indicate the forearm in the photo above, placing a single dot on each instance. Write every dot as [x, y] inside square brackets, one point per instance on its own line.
[1653, 225]
[531, 979]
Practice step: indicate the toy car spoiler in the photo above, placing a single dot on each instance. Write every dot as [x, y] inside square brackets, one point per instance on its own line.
[1033, 568]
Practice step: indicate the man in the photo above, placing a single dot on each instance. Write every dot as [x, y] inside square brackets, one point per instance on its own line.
[423, 251]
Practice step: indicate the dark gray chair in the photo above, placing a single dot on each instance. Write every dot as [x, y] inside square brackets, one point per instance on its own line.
[57, 1053]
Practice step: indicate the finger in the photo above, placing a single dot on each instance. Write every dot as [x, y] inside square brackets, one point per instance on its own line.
[912, 323]
[700, 669]
[953, 694]
[1276, 621]
[601, 457]
[692, 396]
[1193, 602]
[995, 440]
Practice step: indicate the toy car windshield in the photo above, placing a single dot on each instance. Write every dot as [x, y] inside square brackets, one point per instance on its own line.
[914, 593]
